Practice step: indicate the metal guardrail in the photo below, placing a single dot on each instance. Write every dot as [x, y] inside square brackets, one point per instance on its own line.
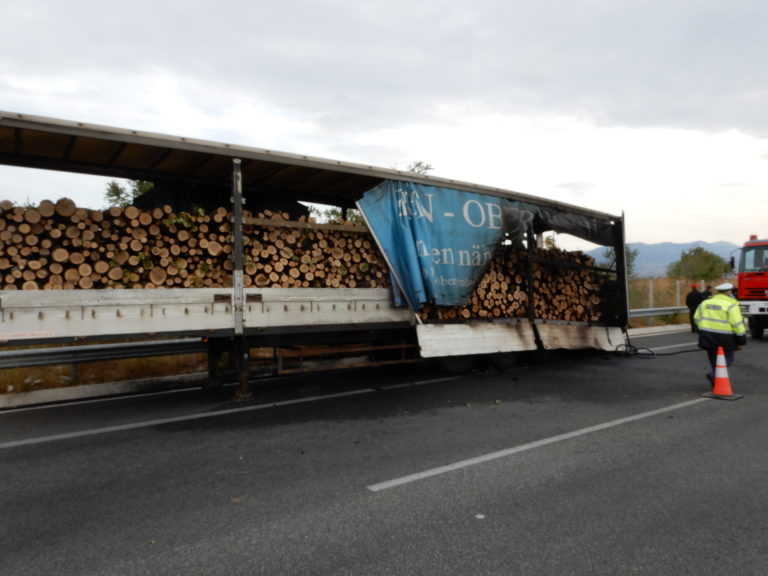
[99, 352]
[650, 312]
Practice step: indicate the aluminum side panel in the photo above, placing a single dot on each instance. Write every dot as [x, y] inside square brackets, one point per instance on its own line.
[462, 339]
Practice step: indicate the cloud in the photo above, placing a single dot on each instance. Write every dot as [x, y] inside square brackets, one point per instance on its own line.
[361, 66]
[576, 189]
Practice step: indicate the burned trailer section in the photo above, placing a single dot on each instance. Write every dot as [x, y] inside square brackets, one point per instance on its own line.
[473, 269]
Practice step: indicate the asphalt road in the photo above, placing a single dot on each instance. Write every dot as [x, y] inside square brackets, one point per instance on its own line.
[570, 463]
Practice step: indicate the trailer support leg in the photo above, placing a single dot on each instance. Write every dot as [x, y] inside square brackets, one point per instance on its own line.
[242, 368]
[215, 352]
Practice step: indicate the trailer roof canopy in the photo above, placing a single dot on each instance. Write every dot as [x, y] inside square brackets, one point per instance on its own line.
[54, 144]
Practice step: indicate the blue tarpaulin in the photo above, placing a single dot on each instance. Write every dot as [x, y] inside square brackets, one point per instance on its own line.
[440, 241]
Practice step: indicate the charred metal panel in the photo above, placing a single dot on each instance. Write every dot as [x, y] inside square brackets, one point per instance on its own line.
[580, 336]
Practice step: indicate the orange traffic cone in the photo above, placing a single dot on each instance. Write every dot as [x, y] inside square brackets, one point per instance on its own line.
[722, 385]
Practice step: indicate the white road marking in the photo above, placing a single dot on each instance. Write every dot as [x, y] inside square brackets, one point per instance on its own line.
[171, 420]
[689, 344]
[419, 383]
[188, 417]
[522, 448]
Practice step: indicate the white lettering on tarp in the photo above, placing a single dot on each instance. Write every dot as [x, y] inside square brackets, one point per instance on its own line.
[476, 256]
[482, 214]
[414, 205]
[436, 255]
[462, 282]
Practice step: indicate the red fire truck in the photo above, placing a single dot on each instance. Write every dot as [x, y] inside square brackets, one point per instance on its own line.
[753, 284]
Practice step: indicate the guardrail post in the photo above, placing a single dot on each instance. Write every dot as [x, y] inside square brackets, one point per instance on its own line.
[650, 300]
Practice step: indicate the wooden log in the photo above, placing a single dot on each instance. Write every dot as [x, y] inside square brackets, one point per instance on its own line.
[46, 209]
[60, 255]
[158, 275]
[65, 207]
[76, 258]
[131, 212]
[115, 273]
[101, 267]
[213, 248]
[85, 269]
[71, 275]
[32, 216]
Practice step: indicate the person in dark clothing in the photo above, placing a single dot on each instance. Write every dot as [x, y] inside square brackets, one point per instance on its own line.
[721, 325]
[692, 301]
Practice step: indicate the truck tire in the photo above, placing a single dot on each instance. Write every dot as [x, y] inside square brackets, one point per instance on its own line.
[756, 327]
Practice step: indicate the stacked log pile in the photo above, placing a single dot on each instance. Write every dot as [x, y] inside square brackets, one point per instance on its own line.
[60, 246]
[294, 254]
[565, 287]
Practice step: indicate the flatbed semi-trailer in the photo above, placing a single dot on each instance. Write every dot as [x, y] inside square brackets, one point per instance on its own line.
[442, 268]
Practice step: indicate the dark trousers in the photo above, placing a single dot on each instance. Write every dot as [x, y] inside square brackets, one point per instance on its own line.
[712, 356]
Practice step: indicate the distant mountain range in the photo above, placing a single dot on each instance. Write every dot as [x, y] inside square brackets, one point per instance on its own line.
[652, 259]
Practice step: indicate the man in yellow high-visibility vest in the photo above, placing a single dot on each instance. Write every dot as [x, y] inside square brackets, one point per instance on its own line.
[720, 324]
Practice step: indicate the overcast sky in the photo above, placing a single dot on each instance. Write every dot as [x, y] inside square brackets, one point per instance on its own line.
[654, 108]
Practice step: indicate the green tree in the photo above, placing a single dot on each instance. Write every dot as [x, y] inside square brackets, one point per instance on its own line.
[419, 167]
[630, 255]
[336, 215]
[117, 194]
[698, 263]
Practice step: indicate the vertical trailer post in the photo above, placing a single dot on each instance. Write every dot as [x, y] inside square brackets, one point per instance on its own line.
[622, 277]
[241, 346]
[530, 245]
